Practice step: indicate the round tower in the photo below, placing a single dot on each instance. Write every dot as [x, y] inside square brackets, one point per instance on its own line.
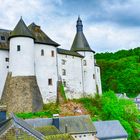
[21, 55]
[81, 46]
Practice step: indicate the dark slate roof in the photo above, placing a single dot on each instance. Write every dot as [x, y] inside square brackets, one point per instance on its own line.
[4, 44]
[16, 122]
[40, 36]
[80, 43]
[21, 30]
[75, 124]
[110, 130]
[68, 52]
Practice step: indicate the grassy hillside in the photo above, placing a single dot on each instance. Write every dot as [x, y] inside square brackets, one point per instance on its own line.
[106, 107]
[120, 71]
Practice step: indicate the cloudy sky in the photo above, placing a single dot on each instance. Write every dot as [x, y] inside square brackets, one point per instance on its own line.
[109, 25]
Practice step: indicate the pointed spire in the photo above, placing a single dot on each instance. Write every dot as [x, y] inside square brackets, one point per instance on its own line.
[21, 30]
[79, 25]
[80, 43]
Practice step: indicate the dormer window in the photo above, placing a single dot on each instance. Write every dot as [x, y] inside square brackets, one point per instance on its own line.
[2, 37]
[18, 47]
[42, 52]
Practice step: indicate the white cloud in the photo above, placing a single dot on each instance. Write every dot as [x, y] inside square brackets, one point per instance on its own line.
[101, 37]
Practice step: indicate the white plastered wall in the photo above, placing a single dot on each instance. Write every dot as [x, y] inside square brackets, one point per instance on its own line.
[22, 62]
[73, 77]
[3, 69]
[46, 68]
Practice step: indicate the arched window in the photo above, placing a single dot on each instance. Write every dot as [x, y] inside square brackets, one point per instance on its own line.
[42, 52]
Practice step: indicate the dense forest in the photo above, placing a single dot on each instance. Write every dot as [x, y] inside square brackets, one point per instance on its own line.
[120, 71]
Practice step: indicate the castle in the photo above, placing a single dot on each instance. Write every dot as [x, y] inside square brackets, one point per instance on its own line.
[31, 64]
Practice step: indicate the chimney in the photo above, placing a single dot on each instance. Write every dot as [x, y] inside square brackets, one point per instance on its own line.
[3, 109]
[56, 120]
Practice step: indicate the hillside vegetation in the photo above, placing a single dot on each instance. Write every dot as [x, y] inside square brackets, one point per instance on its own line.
[120, 71]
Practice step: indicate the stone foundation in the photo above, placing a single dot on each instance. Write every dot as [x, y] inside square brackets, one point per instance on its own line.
[22, 94]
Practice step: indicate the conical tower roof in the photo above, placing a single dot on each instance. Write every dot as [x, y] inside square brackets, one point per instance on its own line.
[80, 43]
[40, 36]
[21, 30]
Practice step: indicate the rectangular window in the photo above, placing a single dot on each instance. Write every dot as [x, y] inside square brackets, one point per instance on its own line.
[63, 72]
[2, 37]
[18, 47]
[49, 82]
[42, 52]
[52, 53]
[93, 76]
[7, 59]
[63, 62]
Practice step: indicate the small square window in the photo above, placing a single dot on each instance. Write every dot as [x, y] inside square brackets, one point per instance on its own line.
[49, 81]
[18, 47]
[42, 52]
[63, 72]
[52, 53]
[7, 67]
[2, 37]
[7, 59]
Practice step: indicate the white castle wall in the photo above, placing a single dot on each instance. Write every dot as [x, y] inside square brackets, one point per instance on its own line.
[22, 62]
[73, 77]
[88, 73]
[98, 79]
[3, 68]
[84, 137]
[46, 68]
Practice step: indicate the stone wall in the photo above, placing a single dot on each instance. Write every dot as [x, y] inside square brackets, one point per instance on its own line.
[22, 94]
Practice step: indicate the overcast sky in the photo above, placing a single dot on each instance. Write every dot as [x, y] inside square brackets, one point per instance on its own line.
[109, 25]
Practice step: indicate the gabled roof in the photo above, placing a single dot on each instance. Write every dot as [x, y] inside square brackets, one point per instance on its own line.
[18, 123]
[40, 36]
[21, 30]
[110, 130]
[80, 43]
[75, 124]
[68, 52]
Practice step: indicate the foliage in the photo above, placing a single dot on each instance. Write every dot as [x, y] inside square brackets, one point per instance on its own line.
[48, 111]
[123, 110]
[120, 71]
[62, 91]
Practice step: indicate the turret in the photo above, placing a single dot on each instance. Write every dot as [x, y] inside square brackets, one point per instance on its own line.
[21, 51]
[81, 46]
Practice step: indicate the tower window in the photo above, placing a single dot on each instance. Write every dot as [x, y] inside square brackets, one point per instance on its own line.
[18, 47]
[64, 82]
[84, 63]
[7, 59]
[50, 82]
[52, 53]
[63, 62]
[63, 72]
[2, 37]
[93, 76]
[42, 52]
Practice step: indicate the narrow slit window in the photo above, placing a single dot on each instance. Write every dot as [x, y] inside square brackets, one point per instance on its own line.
[63, 72]
[93, 76]
[18, 47]
[52, 53]
[42, 52]
[84, 63]
[49, 82]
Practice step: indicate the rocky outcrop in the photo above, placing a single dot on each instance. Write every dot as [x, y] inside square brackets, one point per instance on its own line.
[22, 94]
